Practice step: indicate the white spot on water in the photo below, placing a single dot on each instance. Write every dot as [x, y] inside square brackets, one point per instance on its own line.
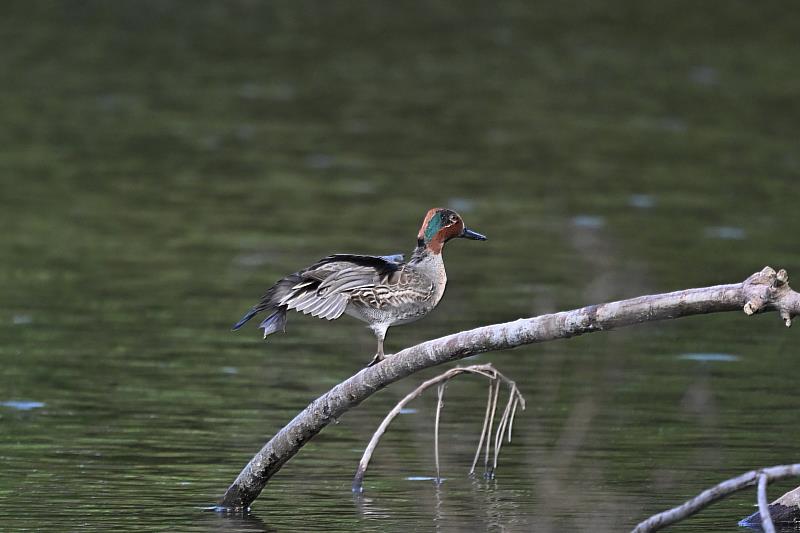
[21, 405]
[671, 124]
[725, 232]
[319, 161]
[701, 356]
[408, 411]
[703, 75]
[588, 221]
[641, 201]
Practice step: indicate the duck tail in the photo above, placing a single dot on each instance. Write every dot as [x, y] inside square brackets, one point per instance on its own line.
[250, 314]
[275, 322]
[271, 303]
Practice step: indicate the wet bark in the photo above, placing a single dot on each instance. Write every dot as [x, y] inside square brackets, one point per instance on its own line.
[766, 290]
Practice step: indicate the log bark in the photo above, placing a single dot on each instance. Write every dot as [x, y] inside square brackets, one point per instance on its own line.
[766, 290]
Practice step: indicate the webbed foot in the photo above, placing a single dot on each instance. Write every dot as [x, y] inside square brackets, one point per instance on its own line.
[377, 359]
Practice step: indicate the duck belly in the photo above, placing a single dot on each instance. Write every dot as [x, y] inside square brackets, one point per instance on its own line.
[387, 317]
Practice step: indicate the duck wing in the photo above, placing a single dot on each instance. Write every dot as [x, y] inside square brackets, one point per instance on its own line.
[325, 288]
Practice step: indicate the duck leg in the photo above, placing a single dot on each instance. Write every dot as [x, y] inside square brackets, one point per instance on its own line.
[380, 333]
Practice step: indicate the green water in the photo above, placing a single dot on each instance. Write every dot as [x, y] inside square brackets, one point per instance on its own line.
[161, 163]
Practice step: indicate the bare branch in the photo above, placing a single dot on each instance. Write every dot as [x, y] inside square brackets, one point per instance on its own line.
[763, 291]
[784, 510]
[763, 506]
[486, 370]
[715, 493]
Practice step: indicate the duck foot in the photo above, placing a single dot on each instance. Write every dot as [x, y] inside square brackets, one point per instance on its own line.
[377, 359]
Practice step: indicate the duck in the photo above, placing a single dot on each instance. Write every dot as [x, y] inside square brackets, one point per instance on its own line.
[383, 291]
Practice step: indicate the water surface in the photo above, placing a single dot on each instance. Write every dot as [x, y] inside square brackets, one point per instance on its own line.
[163, 162]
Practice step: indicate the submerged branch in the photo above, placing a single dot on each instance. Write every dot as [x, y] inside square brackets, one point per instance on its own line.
[763, 291]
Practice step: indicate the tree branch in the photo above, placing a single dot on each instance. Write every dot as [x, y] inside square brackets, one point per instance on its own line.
[720, 491]
[763, 291]
[784, 510]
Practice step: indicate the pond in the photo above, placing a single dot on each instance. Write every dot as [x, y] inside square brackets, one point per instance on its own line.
[164, 162]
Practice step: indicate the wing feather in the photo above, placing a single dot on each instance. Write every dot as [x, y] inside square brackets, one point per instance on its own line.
[315, 307]
[336, 310]
[348, 280]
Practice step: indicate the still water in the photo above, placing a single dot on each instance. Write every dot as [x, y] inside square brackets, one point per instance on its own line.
[162, 163]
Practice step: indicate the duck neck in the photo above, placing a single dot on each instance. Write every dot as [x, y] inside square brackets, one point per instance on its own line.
[430, 263]
[422, 254]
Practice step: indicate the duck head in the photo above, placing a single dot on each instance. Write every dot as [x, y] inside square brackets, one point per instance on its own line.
[441, 225]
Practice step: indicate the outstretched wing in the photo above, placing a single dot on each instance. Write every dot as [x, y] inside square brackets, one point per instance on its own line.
[325, 288]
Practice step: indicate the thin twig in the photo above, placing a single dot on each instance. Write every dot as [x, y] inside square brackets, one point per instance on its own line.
[440, 393]
[513, 411]
[486, 472]
[485, 425]
[501, 428]
[763, 505]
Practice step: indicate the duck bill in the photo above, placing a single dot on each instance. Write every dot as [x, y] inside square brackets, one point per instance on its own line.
[474, 235]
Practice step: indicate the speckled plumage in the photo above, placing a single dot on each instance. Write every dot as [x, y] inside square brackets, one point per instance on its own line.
[382, 291]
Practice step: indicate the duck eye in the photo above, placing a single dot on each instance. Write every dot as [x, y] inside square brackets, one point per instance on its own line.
[453, 219]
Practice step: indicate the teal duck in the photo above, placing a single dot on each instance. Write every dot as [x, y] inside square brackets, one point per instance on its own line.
[382, 291]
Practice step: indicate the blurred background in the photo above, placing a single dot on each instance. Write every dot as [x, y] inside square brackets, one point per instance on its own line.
[163, 162]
